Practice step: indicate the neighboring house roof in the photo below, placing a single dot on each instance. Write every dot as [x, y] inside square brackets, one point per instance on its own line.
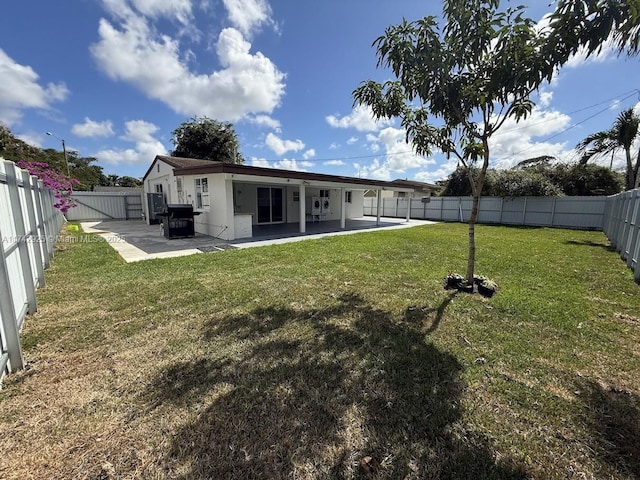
[179, 162]
[423, 186]
[230, 168]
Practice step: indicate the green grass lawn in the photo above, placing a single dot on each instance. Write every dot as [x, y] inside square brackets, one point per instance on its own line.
[335, 358]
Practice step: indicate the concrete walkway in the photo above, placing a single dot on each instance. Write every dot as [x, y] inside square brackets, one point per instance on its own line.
[134, 240]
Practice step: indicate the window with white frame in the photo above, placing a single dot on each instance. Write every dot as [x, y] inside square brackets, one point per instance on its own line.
[324, 193]
[296, 196]
[202, 193]
[347, 196]
[158, 187]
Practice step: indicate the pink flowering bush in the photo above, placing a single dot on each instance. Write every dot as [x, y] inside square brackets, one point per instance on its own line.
[60, 184]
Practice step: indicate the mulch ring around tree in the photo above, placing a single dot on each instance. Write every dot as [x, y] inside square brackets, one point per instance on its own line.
[482, 285]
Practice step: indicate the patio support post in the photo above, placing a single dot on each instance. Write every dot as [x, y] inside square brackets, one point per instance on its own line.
[303, 213]
[343, 209]
[408, 208]
[378, 208]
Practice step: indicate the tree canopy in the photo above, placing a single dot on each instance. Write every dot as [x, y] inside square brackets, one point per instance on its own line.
[83, 169]
[539, 179]
[621, 135]
[206, 139]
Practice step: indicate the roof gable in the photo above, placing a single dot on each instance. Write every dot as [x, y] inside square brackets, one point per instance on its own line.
[180, 162]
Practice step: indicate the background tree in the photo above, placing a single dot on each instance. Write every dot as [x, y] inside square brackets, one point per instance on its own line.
[83, 169]
[621, 135]
[456, 87]
[523, 183]
[206, 139]
[458, 183]
[538, 180]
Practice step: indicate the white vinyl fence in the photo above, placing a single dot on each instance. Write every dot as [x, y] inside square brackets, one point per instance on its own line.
[562, 212]
[622, 227]
[28, 228]
[106, 206]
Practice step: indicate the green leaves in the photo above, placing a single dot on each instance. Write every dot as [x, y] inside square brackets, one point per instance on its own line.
[206, 139]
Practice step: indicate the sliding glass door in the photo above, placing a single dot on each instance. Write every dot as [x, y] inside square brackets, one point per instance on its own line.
[270, 205]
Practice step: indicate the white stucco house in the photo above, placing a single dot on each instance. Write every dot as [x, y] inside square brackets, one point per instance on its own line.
[234, 199]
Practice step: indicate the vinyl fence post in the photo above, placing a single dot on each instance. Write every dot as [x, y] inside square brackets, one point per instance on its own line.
[524, 212]
[41, 225]
[32, 234]
[553, 211]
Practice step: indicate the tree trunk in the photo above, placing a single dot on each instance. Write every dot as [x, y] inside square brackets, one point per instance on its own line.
[636, 171]
[476, 188]
[630, 173]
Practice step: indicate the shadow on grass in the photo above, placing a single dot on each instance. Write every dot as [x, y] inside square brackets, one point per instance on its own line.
[589, 243]
[341, 392]
[614, 418]
[420, 314]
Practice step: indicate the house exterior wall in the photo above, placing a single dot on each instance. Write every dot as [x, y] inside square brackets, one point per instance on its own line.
[232, 195]
[217, 219]
[355, 209]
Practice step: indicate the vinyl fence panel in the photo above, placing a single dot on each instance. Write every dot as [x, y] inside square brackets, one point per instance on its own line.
[28, 227]
[106, 206]
[564, 212]
[622, 227]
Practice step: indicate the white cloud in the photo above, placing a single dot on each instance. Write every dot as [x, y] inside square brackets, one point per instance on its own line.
[260, 162]
[20, 89]
[146, 145]
[248, 15]
[280, 147]
[284, 164]
[309, 154]
[176, 9]
[399, 155]
[440, 173]
[514, 141]
[545, 98]
[32, 138]
[132, 51]
[361, 118]
[334, 163]
[265, 121]
[334, 146]
[91, 128]
[352, 140]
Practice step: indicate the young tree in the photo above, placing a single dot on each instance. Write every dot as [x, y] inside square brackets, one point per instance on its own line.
[206, 139]
[456, 86]
[621, 135]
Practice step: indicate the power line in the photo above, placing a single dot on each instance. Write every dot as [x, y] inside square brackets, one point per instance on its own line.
[622, 97]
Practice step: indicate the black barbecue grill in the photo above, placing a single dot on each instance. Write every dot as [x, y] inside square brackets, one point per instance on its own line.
[178, 221]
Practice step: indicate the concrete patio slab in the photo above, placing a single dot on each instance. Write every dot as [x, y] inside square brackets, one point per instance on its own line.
[134, 240]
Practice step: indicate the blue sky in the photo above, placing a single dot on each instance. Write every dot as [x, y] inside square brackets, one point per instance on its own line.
[115, 77]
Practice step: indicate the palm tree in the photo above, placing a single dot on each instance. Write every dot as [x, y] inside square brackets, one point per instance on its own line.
[621, 136]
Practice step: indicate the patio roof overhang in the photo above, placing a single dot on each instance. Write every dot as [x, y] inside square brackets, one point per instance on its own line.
[249, 174]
